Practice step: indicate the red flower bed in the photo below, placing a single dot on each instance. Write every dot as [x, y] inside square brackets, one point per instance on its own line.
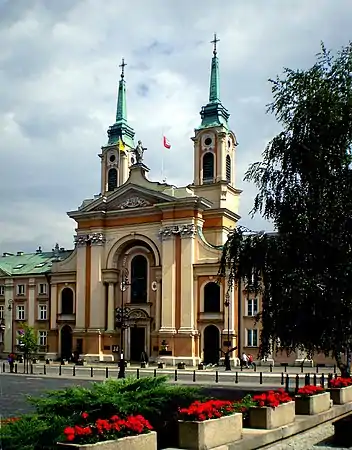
[212, 409]
[340, 382]
[308, 391]
[272, 398]
[105, 430]
[9, 420]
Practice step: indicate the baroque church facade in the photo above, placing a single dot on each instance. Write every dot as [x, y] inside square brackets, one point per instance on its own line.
[152, 248]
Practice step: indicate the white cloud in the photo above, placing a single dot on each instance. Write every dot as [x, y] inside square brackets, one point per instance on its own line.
[58, 84]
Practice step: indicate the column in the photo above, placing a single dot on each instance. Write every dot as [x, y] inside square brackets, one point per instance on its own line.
[81, 248]
[53, 306]
[158, 303]
[111, 307]
[32, 310]
[97, 297]
[188, 233]
[168, 281]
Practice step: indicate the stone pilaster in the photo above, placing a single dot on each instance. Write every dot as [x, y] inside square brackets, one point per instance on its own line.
[97, 297]
[111, 307]
[81, 245]
[53, 306]
[187, 233]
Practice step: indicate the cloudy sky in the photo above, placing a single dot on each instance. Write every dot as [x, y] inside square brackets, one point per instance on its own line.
[58, 81]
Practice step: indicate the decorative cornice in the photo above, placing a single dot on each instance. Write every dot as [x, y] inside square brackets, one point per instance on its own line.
[185, 231]
[82, 240]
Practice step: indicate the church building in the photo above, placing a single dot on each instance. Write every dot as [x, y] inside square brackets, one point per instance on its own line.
[153, 249]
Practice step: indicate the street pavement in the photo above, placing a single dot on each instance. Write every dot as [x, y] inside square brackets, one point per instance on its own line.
[220, 384]
[208, 376]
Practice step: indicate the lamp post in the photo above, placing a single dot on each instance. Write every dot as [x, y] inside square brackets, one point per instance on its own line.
[2, 331]
[10, 309]
[121, 316]
[227, 354]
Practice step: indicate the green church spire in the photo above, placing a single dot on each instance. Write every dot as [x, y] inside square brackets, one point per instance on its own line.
[121, 129]
[214, 113]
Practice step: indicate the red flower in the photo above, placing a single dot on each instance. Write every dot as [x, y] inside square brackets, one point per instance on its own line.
[106, 429]
[272, 398]
[211, 409]
[310, 390]
[340, 382]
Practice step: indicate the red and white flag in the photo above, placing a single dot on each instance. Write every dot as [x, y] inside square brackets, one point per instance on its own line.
[166, 143]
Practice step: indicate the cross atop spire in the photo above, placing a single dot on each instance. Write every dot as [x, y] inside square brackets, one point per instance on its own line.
[214, 42]
[123, 65]
[214, 113]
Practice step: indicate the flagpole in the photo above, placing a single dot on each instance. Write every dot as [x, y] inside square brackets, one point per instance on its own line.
[162, 157]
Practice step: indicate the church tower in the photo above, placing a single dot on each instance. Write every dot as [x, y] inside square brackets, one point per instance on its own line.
[214, 161]
[116, 155]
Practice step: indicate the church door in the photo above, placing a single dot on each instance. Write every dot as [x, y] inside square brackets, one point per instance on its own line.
[66, 342]
[211, 344]
[137, 343]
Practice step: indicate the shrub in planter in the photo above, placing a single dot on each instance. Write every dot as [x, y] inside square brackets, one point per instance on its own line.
[312, 400]
[341, 390]
[242, 406]
[150, 397]
[205, 425]
[31, 432]
[111, 432]
[273, 409]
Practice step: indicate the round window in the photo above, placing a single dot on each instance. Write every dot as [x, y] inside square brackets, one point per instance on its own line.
[112, 158]
[207, 141]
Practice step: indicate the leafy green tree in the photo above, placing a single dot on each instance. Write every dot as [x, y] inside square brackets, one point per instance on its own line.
[304, 182]
[27, 343]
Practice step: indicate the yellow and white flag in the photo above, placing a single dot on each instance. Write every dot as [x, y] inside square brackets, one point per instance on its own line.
[121, 145]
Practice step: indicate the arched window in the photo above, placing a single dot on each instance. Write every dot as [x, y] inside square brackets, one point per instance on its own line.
[208, 168]
[211, 298]
[228, 169]
[67, 301]
[139, 279]
[112, 179]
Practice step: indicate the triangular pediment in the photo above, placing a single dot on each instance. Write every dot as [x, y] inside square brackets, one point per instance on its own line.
[129, 197]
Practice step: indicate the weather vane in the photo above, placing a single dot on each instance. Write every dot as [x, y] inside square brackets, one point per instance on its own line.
[123, 65]
[214, 42]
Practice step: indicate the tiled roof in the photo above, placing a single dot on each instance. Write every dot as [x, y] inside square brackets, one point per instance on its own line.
[30, 263]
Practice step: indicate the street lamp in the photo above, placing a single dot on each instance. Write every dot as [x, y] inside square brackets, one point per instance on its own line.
[227, 362]
[121, 315]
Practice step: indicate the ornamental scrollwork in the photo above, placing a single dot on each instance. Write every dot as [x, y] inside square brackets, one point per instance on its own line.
[185, 231]
[133, 202]
[82, 240]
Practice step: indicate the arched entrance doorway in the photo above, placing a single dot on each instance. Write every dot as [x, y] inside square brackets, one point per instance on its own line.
[211, 344]
[66, 342]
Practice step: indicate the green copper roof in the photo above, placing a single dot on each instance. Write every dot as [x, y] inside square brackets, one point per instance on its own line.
[121, 128]
[37, 263]
[214, 113]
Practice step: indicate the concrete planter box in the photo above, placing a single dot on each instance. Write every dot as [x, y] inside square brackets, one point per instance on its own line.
[340, 396]
[313, 404]
[146, 441]
[268, 418]
[210, 433]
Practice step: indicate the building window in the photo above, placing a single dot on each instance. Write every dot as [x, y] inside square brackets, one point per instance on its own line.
[42, 338]
[139, 279]
[20, 315]
[43, 312]
[112, 179]
[43, 289]
[21, 289]
[2, 314]
[67, 301]
[212, 298]
[228, 169]
[2, 290]
[252, 307]
[208, 168]
[252, 338]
